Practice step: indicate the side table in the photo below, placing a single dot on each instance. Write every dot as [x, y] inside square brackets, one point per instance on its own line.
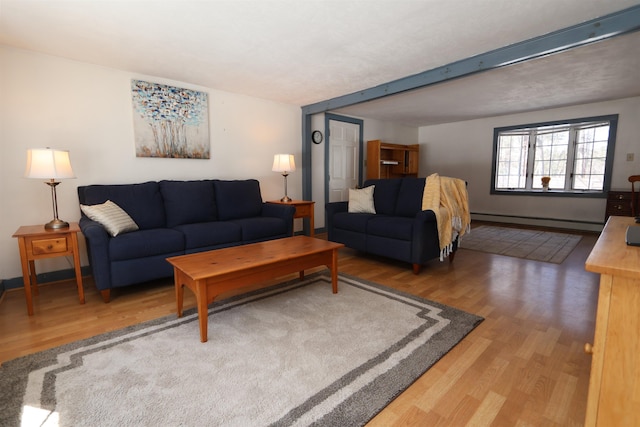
[618, 204]
[37, 242]
[304, 209]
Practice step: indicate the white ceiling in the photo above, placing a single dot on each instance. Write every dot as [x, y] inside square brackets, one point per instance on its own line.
[305, 51]
[600, 71]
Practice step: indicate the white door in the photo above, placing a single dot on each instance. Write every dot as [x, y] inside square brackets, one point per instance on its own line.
[343, 159]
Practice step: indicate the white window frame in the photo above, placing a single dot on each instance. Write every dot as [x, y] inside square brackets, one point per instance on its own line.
[565, 187]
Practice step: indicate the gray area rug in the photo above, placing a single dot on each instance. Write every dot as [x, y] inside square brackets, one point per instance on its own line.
[291, 354]
[535, 245]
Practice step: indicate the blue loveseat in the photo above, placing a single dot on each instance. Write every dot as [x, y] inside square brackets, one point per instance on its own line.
[399, 228]
[175, 218]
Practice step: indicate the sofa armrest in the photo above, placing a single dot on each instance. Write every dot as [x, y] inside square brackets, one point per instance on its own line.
[336, 207]
[330, 210]
[425, 244]
[285, 212]
[426, 216]
[425, 229]
[97, 240]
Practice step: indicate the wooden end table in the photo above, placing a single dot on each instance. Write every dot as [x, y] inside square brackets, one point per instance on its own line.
[37, 242]
[209, 274]
[304, 209]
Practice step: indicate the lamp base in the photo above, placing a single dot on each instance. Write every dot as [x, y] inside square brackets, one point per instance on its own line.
[56, 224]
[286, 199]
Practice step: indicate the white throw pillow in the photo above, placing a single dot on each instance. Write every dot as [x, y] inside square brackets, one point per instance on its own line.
[361, 201]
[111, 216]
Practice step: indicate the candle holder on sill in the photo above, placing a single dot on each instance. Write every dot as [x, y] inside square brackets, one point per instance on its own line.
[545, 183]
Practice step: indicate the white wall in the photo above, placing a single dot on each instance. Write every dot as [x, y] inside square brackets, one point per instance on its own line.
[371, 129]
[464, 150]
[389, 132]
[54, 102]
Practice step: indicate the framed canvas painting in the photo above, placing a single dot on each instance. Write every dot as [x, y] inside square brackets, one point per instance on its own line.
[169, 121]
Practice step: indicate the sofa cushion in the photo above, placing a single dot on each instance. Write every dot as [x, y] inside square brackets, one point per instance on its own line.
[207, 234]
[143, 202]
[111, 217]
[260, 228]
[361, 201]
[352, 221]
[137, 270]
[390, 247]
[188, 202]
[237, 199]
[395, 227]
[385, 195]
[409, 201]
[145, 243]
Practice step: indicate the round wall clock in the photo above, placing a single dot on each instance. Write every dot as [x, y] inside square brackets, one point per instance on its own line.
[316, 137]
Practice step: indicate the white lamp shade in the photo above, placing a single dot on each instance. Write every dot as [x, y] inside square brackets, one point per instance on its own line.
[283, 163]
[45, 163]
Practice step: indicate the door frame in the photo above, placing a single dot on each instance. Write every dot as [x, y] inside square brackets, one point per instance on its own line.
[345, 119]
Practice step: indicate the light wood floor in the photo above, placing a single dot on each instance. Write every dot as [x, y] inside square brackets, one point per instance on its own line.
[523, 366]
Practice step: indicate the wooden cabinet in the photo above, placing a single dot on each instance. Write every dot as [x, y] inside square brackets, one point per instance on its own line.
[614, 383]
[618, 204]
[385, 160]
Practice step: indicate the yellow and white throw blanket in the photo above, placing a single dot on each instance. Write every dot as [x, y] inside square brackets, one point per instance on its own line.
[448, 199]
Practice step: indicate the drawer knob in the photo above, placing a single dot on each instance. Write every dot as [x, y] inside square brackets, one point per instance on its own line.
[588, 348]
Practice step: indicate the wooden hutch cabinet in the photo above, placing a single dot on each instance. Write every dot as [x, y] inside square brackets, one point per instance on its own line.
[385, 160]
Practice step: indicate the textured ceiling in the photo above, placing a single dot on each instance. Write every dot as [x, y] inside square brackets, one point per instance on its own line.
[597, 72]
[305, 51]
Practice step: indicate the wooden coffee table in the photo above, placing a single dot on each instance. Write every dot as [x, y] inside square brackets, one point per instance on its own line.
[209, 274]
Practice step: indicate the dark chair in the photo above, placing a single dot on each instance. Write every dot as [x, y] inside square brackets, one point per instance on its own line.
[634, 195]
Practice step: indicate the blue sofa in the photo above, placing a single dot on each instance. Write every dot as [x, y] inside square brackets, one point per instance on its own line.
[175, 218]
[399, 228]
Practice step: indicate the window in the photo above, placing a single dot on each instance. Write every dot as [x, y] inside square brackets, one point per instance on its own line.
[577, 156]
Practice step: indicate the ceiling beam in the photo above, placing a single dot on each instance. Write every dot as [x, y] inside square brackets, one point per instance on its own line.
[608, 26]
[615, 24]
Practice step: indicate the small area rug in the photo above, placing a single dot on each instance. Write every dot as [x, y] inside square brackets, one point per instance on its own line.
[291, 354]
[535, 245]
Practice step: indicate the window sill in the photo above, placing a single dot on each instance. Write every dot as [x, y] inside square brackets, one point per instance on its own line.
[551, 193]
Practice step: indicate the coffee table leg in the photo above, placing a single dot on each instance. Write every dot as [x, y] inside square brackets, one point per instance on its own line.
[334, 270]
[179, 291]
[201, 301]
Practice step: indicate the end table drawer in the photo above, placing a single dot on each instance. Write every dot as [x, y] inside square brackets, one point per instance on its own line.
[303, 210]
[48, 246]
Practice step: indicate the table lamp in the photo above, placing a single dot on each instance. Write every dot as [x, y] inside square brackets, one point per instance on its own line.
[284, 163]
[46, 163]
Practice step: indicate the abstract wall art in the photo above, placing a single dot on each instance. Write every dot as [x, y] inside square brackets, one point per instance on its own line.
[170, 122]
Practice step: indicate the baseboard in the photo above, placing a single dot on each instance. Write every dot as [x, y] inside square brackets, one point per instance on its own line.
[540, 222]
[51, 276]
